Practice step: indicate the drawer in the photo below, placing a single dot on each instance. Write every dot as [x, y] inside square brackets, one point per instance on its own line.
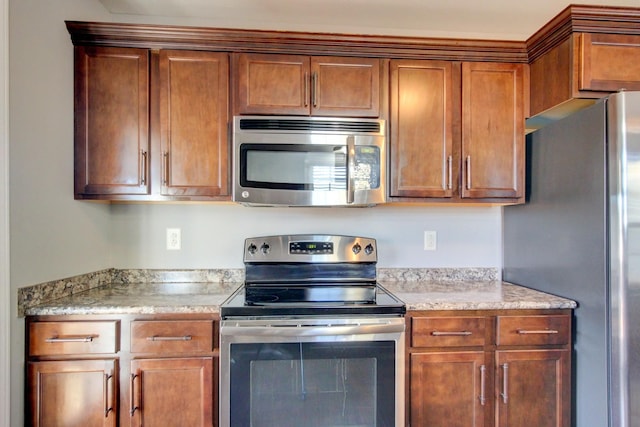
[448, 331]
[171, 336]
[73, 337]
[534, 330]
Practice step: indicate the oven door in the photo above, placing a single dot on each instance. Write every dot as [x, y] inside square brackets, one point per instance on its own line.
[312, 372]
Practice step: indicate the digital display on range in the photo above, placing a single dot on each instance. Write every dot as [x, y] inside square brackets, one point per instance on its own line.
[310, 248]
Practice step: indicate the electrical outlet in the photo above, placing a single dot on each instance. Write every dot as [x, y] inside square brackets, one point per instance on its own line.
[430, 240]
[174, 241]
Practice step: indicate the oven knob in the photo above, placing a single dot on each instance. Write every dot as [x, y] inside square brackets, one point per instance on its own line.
[368, 249]
[265, 248]
[356, 248]
[252, 249]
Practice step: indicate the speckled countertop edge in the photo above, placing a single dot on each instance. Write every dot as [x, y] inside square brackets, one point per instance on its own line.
[202, 291]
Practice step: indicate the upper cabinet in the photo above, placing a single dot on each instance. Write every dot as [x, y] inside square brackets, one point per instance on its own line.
[583, 54]
[111, 121]
[153, 103]
[493, 114]
[425, 96]
[151, 125]
[457, 130]
[302, 85]
[194, 115]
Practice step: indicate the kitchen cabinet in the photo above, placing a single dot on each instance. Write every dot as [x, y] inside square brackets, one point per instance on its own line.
[457, 131]
[533, 371]
[423, 104]
[72, 373]
[483, 368]
[152, 370]
[78, 393]
[453, 376]
[151, 125]
[171, 380]
[302, 85]
[580, 69]
[194, 105]
[111, 121]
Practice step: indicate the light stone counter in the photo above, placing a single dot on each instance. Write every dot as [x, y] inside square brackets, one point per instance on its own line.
[140, 298]
[200, 292]
[473, 295]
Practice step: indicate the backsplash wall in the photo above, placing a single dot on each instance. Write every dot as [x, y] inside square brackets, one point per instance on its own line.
[213, 234]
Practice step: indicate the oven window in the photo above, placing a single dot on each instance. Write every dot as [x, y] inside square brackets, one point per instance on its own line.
[313, 384]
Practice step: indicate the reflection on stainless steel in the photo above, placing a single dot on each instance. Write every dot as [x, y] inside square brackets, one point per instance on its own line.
[579, 237]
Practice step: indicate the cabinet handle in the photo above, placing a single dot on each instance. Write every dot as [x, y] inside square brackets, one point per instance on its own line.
[157, 338]
[143, 178]
[306, 89]
[451, 333]
[537, 332]
[107, 408]
[70, 339]
[314, 89]
[132, 406]
[505, 383]
[449, 167]
[468, 162]
[483, 370]
[165, 169]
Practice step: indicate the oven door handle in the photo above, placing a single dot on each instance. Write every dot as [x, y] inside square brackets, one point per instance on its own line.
[310, 329]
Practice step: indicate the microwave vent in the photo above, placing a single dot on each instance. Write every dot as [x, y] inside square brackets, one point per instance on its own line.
[361, 126]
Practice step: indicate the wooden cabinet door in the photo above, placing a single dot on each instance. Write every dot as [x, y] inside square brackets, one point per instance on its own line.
[450, 389]
[172, 392]
[111, 121]
[421, 129]
[300, 85]
[533, 388]
[80, 393]
[345, 86]
[493, 118]
[194, 120]
[273, 84]
[609, 62]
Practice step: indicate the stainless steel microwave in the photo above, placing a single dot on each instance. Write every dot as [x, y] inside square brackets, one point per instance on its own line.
[308, 161]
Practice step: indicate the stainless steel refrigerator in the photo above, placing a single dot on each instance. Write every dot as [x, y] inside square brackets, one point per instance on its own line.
[578, 236]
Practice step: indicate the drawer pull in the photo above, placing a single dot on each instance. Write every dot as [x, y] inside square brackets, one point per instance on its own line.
[537, 332]
[69, 339]
[451, 333]
[157, 338]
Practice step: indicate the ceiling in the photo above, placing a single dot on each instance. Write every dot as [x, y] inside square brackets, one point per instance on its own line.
[473, 19]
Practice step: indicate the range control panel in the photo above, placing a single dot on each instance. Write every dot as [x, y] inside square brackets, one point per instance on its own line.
[311, 247]
[317, 248]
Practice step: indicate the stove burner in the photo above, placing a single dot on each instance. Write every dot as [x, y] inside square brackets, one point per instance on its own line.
[310, 294]
[310, 275]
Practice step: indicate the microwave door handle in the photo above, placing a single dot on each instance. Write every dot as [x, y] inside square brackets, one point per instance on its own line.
[351, 166]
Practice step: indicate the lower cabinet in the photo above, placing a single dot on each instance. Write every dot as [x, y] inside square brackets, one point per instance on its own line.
[151, 370]
[457, 392]
[464, 368]
[172, 392]
[72, 393]
[491, 368]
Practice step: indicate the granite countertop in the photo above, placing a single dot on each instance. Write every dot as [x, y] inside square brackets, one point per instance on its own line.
[153, 298]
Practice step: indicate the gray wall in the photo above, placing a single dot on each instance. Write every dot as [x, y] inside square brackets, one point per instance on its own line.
[52, 236]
